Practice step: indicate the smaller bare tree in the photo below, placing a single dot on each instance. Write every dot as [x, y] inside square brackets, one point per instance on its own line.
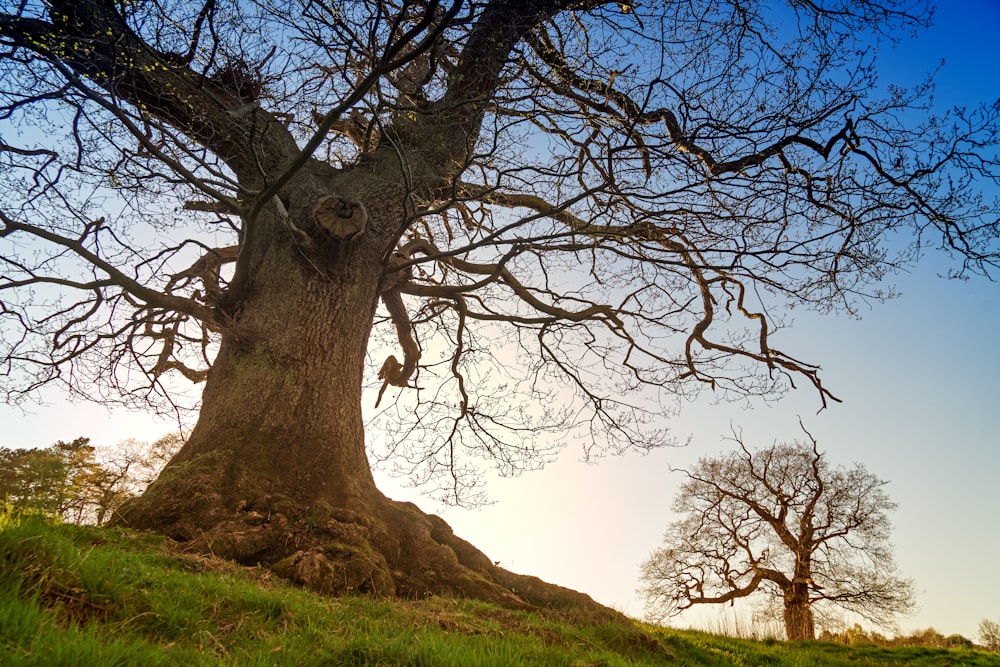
[781, 522]
[124, 472]
[989, 634]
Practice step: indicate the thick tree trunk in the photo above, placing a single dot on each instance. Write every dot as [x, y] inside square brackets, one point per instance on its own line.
[799, 624]
[275, 472]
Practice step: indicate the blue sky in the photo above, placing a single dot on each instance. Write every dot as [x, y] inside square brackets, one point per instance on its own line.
[918, 376]
[921, 409]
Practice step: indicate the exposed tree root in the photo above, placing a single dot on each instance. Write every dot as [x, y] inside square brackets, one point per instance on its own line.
[375, 546]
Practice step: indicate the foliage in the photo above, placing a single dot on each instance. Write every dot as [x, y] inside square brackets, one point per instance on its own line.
[56, 480]
[784, 523]
[78, 482]
[86, 597]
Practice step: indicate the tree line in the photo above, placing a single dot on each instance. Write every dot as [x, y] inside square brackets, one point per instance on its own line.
[79, 482]
[928, 637]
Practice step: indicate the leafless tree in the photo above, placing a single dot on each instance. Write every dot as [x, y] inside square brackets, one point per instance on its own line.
[989, 634]
[780, 522]
[560, 216]
[124, 471]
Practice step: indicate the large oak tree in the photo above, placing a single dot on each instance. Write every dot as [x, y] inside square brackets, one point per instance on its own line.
[534, 220]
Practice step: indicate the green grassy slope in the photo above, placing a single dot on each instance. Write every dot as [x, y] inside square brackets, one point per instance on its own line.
[85, 596]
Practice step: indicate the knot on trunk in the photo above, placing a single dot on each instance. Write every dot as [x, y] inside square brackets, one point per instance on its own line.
[341, 218]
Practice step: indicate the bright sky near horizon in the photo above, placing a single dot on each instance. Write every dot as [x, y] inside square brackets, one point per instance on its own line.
[921, 409]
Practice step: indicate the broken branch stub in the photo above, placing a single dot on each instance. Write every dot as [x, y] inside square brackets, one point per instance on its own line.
[341, 218]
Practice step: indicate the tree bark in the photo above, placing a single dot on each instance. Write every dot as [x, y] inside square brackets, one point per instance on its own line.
[275, 472]
[799, 624]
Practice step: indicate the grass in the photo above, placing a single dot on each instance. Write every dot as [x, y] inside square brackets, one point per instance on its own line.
[79, 596]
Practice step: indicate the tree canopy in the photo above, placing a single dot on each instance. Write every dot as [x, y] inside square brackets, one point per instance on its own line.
[535, 220]
[781, 522]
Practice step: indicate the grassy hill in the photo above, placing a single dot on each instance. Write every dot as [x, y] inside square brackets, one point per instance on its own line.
[79, 596]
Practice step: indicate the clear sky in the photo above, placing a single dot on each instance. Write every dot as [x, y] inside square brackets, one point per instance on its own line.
[921, 409]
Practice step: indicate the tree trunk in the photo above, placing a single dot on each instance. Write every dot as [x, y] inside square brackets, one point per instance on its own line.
[275, 471]
[798, 613]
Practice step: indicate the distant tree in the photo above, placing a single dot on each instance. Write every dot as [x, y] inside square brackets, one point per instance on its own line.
[52, 480]
[958, 641]
[929, 637]
[104, 490]
[78, 482]
[855, 635]
[989, 634]
[932, 638]
[128, 468]
[83, 475]
[781, 522]
[32, 479]
[119, 473]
